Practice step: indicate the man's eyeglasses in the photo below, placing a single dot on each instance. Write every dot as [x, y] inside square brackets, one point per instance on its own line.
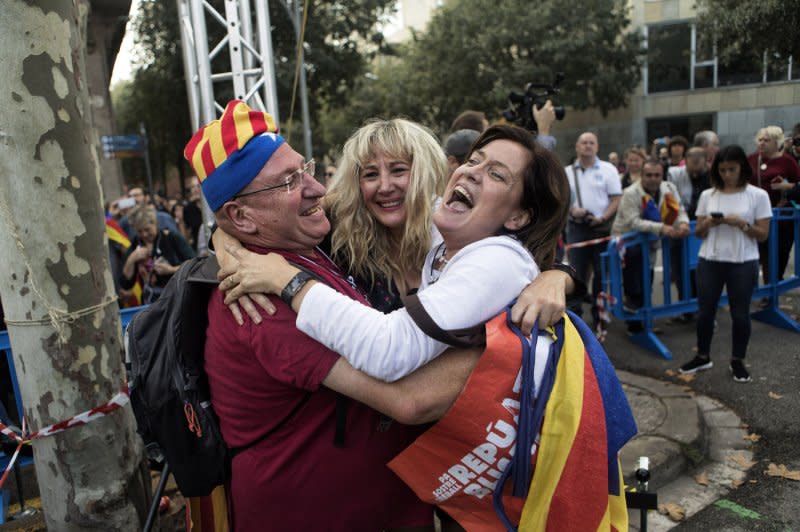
[291, 181]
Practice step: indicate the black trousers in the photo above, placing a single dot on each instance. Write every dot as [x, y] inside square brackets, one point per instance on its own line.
[586, 260]
[739, 279]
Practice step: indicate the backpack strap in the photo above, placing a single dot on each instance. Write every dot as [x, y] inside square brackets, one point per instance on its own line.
[204, 270]
[341, 400]
[469, 337]
[341, 420]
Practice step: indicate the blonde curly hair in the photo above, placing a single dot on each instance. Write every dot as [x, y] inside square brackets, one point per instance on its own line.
[358, 238]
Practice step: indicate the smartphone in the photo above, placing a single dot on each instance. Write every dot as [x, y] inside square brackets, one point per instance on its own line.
[717, 215]
[126, 203]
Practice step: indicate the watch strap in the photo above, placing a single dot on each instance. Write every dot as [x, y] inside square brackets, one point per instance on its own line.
[294, 285]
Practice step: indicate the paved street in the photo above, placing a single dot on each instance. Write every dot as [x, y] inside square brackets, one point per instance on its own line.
[770, 406]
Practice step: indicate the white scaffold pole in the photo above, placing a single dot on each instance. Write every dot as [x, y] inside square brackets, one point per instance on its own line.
[252, 68]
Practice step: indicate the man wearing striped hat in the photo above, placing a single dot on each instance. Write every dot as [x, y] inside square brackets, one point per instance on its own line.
[307, 462]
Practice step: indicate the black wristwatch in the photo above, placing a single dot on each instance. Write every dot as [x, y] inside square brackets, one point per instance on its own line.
[294, 286]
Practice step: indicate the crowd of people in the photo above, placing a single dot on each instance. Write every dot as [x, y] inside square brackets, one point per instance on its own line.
[727, 193]
[149, 238]
[350, 314]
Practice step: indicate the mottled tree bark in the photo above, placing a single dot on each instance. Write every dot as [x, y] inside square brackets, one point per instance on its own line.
[55, 265]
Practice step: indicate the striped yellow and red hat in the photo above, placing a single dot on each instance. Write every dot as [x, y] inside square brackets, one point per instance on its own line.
[227, 154]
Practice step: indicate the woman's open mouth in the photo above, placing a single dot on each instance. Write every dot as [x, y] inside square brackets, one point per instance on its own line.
[460, 199]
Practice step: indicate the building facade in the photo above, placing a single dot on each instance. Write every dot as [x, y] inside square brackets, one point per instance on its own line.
[686, 89]
[412, 15]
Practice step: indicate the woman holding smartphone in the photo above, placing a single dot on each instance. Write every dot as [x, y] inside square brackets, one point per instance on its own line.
[732, 217]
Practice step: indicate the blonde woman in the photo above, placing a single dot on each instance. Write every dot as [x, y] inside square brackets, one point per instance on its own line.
[381, 206]
[772, 168]
[153, 256]
[635, 156]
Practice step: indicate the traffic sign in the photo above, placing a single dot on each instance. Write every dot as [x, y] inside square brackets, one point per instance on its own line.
[122, 146]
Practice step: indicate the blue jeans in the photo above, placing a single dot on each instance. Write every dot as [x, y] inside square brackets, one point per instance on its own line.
[739, 279]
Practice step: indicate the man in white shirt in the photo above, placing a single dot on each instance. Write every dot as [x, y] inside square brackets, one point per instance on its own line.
[596, 192]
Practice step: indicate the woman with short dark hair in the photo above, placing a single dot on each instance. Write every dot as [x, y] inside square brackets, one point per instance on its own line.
[676, 148]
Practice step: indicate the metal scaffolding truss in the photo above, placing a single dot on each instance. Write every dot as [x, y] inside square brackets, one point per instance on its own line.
[252, 72]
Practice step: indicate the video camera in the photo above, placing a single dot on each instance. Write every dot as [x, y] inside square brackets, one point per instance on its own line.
[520, 109]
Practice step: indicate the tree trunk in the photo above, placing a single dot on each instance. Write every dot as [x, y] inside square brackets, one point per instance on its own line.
[55, 280]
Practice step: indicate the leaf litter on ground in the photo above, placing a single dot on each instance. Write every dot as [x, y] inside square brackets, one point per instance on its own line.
[674, 511]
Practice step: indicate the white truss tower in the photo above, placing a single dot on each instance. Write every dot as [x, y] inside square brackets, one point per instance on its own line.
[252, 71]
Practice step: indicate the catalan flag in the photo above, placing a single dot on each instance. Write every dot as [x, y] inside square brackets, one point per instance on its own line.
[118, 238]
[577, 481]
[572, 481]
[208, 513]
[116, 234]
[666, 213]
[670, 208]
[649, 209]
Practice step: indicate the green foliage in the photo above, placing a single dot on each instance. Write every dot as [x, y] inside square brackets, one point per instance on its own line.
[472, 55]
[340, 37]
[740, 27]
[475, 52]
[156, 96]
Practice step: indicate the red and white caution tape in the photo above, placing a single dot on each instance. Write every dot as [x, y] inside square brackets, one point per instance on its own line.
[118, 401]
[586, 243]
[604, 301]
[619, 242]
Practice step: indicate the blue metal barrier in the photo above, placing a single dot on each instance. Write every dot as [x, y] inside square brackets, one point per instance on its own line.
[772, 314]
[613, 281]
[22, 460]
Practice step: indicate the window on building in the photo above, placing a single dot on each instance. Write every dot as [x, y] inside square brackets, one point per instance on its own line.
[748, 67]
[777, 67]
[704, 60]
[668, 57]
[681, 58]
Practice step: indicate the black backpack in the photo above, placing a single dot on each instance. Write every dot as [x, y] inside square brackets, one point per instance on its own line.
[168, 387]
[165, 347]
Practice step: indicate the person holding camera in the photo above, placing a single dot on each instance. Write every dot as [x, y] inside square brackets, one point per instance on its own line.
[732, 217]
[596, 191]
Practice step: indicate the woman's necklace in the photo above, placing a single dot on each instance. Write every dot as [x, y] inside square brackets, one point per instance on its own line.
[443, 260]
[440, 260]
